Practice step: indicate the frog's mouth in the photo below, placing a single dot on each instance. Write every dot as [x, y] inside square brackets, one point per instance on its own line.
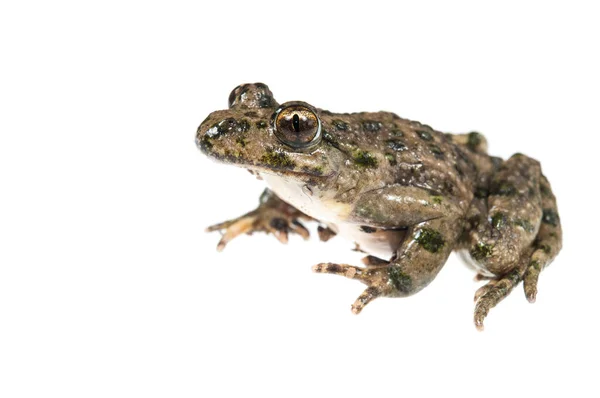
[269, 161]
[303, 175]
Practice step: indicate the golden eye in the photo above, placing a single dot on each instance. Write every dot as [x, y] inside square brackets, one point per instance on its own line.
[297, 125]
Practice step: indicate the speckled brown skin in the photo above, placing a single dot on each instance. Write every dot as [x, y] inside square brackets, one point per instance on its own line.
[396, 187]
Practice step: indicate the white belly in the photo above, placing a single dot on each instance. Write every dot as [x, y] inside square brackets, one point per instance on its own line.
[381, 243]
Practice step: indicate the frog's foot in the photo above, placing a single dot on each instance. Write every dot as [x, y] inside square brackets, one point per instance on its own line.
[272, 216]
[260, 220]
[325, 233]
[490, 294]
[507, 242]
[375, 277]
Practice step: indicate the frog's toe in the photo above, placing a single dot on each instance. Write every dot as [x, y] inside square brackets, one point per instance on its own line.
[300, 229]
[281, 228]
[376, 278]
[530, 281]
[484, 289]
[232, 229]
[349, 271]
[492, 293]
[370, 294]
[325, 233]
[278, 226]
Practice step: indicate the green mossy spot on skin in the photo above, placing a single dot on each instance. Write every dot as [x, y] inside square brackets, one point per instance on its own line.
[545, 248]
[277, 159]
[481, 251]
[550, 217]
[436, 199]
[498, 220]
[391, 159]
[397, 133]
[313, 170]
[514, 277]
[474, 140]
[364, 159]
[430, 239]
[424, 135]
[535, 265]
[525, 224]
[400, 280]
[241, 141]
[205, 143]
[261, 124]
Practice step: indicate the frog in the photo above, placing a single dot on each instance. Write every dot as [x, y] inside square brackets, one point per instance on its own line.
[407, 195]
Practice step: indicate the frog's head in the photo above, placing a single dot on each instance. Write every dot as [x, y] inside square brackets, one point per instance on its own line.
[259, 134]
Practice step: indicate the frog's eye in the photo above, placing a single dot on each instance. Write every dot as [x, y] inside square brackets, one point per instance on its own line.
[296, 124]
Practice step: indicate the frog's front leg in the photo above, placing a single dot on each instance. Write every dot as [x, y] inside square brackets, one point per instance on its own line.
[417, 262]
[272, 215]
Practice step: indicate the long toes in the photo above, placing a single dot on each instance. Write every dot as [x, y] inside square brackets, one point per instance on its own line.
[300, 229]
[483, 290]
[488, 300]
[325, 233]
[241, 226]
[346, 270]
[482, 308]
[219, 226]
[279, 227]
[530, 282]
[281, 236]
[370, 294]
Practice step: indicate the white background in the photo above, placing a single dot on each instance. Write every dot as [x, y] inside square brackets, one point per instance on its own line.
[110, 287]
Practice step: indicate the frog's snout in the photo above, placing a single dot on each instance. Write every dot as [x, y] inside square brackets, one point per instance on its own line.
[213, 129]
[221, 131]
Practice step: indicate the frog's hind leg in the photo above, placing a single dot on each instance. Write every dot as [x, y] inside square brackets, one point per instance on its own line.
[548, 241]
[517, 233]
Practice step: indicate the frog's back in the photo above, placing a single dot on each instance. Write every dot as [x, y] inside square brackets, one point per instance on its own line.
[404, 152]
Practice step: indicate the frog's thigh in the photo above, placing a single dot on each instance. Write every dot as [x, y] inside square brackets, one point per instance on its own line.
[514, 213]
[423, 254]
